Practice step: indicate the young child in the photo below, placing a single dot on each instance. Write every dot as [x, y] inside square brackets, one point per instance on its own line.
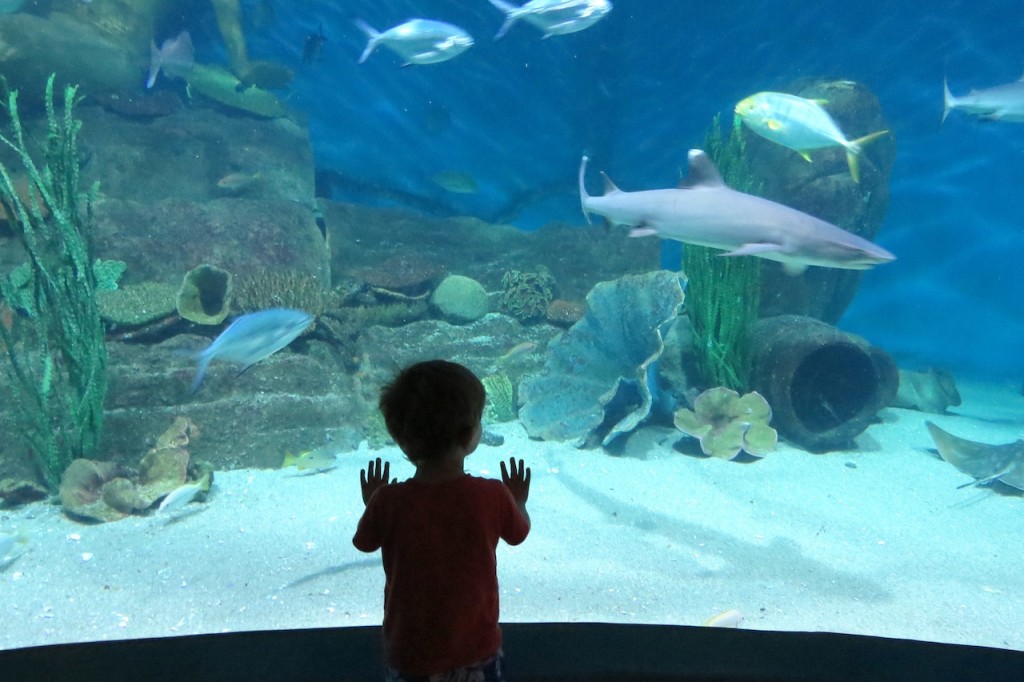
[438, 530]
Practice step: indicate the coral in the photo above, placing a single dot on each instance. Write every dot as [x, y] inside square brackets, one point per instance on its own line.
[56, 360]
[103, 491]
[107, 273]
[136, 304]
[564, 313]
[460, 299]
[723, 294]
[14, 492]
[726, 423]
[205, 295]
[501, 405]
[263, 288]
[526, 295]
[603, 369]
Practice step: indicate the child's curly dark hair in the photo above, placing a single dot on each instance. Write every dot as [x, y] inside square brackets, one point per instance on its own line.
[431, 407]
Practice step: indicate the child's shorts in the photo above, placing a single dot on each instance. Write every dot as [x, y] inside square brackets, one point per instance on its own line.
[487, 670]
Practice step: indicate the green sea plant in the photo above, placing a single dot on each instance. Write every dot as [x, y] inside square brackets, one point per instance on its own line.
[501, 404]
[56, 360]
[526, 295]
[723, 293]
[726, 423]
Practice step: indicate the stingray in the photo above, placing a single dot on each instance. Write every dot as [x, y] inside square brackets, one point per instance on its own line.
[987, 463]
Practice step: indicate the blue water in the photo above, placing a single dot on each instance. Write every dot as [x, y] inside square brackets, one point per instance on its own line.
[638, 89]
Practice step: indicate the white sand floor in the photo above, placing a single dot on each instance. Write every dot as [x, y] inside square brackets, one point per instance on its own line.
[875, 541]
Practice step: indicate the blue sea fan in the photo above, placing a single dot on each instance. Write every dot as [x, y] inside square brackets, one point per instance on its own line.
[607, 358]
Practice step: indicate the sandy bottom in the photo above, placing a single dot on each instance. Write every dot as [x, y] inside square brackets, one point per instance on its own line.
[875, 541]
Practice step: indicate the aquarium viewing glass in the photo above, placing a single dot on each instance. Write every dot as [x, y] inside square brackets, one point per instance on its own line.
[741, 285]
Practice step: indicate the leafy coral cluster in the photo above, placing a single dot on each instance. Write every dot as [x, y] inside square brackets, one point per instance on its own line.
[526, 295]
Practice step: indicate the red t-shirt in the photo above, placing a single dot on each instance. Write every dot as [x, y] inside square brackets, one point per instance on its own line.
[441, 592]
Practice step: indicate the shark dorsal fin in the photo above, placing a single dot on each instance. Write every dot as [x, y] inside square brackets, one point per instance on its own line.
[609, 186]
[702, 172]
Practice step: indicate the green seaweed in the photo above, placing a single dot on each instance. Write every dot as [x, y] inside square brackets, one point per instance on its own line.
[500, 406]
[56, 359]
[723, 294]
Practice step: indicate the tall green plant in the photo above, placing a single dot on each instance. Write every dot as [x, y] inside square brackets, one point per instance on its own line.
[55, 354]
[723, 294]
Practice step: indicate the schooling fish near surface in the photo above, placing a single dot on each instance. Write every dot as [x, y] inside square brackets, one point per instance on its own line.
[998, 103]
[800, 124]
[253, 337]
[704, 211]
[554, 17]
[419, 41]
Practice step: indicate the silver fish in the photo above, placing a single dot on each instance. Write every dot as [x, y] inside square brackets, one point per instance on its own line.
[175, 56]
[179, 497]
[418, 41]
[704, 211]
[252, 337]
[554, 17]
[800, 124]
[998, 103]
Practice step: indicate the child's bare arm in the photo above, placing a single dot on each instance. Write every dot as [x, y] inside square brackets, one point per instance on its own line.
[518, 482]
[374, 476]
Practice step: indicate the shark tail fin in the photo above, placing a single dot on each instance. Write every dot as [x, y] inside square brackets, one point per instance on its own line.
[372, 34]
[854, 148]
[948, 101]
[583, 188]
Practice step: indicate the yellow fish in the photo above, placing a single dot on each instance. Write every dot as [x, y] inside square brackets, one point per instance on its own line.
[322, 458]
[800, 124]
[725, 619]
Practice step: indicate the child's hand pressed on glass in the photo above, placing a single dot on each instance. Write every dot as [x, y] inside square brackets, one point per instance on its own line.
[376, 475]
[518, 483]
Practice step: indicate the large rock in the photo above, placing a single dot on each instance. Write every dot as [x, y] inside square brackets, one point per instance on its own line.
[289, 401]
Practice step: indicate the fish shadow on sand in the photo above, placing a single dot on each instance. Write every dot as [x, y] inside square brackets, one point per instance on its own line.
[331, 571]
[998, 467]
[777, 561]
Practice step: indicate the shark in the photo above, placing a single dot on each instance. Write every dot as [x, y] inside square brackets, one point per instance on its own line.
[986, 463]
[998, 103]
[704, 211]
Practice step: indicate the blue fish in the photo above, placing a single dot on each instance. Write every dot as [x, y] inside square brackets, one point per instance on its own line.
[252, 337]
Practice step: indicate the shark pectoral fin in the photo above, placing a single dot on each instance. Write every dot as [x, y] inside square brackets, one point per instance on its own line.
[643, 232]
[794, 269]
[753, 249]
